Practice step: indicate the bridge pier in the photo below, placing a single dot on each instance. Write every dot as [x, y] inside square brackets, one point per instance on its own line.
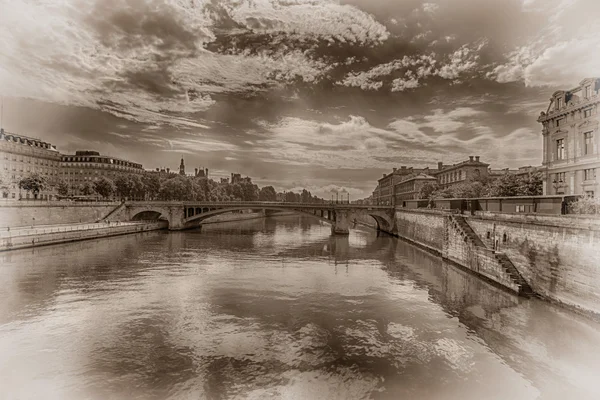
[341, 223]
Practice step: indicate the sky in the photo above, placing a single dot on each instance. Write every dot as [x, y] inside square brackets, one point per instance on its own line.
[321, 94]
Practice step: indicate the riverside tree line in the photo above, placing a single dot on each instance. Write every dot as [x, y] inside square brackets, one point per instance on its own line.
[169, 187]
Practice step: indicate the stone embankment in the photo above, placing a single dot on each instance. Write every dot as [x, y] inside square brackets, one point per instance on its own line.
[41, 235]
[553, 257]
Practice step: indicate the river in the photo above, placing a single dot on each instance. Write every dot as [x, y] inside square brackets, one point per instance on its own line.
[276, 309]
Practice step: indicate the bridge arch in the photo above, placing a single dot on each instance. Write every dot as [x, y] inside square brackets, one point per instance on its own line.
[195, 219]
[150, 213]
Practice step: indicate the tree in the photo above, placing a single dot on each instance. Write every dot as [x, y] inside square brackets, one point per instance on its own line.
[104, 187]
[267, 193]
[174, 189]
[123, 186]
[86, 189]
[151, 183]
[531, 185]
[428, 189]
[34, 183]
[62, 187]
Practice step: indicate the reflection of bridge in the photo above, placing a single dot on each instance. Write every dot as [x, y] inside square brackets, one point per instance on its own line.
[189, 214]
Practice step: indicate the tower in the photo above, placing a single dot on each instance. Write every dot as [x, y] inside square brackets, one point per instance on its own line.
[182, 167]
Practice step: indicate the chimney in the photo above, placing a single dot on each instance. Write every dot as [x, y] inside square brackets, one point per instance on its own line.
[195, 171]
[440, 166]
[168, 170]
[477, 158]
[471, 158]
[395, 169]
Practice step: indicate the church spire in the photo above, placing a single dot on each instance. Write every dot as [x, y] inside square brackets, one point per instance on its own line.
[182, 167]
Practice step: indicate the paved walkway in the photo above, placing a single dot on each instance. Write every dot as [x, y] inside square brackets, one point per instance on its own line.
[41, 229]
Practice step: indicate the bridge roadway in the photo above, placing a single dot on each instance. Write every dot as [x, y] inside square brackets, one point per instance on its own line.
[189, 214]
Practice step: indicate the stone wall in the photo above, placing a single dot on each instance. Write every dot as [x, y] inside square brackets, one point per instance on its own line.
[23, 213]
[423, 227]
[47, 238]
[558, 256]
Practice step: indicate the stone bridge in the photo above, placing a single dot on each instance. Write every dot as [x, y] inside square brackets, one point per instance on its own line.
[190, 214]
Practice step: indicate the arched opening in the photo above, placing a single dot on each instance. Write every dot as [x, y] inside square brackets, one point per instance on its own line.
[149, 215]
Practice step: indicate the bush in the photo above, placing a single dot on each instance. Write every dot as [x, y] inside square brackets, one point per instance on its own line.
[585, 205]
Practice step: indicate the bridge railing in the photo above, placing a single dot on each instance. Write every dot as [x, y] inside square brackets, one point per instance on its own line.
[259, 204]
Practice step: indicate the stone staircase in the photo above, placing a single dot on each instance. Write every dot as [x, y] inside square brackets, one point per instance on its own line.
[116, 210]
[471, 237]
[524, 288]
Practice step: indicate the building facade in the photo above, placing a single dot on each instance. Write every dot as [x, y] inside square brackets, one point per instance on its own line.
[87, 166]
[410, 187]
[450, 175]
[571, 145]
[21, 156]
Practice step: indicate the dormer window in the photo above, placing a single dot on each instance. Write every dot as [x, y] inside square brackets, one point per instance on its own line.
[587, 92]
[560, 121]
[587, 113]
[558, 103]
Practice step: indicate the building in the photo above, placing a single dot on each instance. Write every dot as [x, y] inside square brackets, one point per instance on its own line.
[571, 145]
[450, 175]
[201, 173]
[21, 156]
[384, 193]
[87, 166]
[182, 168]
[410, 187]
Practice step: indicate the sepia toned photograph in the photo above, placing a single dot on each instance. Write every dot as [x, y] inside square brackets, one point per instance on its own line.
[299, 199]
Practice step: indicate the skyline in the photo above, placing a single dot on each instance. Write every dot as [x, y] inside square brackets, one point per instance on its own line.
[290, 92]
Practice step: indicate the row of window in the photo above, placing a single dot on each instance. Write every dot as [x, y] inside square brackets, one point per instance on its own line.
[587, 93]
[563, 121]
[588, 146]
[589, 174]
[36, 160]
[101, 160]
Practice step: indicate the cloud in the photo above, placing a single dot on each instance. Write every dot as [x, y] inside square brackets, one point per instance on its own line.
[562, 53]
[308, 18]
[415, 69]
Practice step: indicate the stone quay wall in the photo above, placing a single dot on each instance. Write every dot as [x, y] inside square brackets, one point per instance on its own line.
[28, 213]
[557, 256]
[20, 239]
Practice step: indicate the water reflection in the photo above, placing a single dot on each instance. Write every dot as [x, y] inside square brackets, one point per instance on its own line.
[276, 308]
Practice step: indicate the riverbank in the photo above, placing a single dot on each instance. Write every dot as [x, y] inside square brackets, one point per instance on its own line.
[33, 236]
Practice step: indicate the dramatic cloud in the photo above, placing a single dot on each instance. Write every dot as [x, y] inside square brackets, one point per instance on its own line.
[293, 92]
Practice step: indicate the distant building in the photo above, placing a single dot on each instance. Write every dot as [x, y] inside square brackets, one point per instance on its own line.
[182, 167]
[21, 156]
[450, 175]
[409, 188]
[224, 180]
[201, 173]
[87, 166]
[571, 145]
[237, 178]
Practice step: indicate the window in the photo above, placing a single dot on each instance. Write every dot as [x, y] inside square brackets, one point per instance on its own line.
[560, 149]
[560, 121]
[587, 113]
[588, 143]
[589, 174]
[520, 209]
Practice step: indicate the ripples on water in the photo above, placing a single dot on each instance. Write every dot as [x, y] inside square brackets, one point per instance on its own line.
[276, 308]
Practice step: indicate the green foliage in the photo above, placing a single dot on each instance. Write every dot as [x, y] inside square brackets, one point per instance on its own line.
[104, 187]
[34, 183]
